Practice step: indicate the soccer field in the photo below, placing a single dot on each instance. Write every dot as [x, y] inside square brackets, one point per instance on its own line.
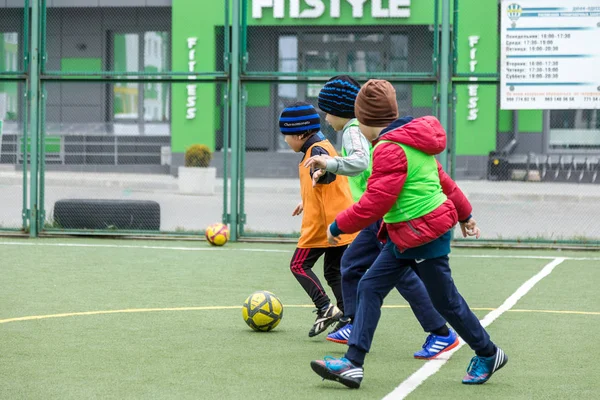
[117, 319]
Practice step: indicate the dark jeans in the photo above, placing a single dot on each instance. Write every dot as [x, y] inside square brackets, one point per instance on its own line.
[359, 257]
[435, 273]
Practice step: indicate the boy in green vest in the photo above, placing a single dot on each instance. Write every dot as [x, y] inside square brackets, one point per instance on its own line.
[405, 189]
[337, 98]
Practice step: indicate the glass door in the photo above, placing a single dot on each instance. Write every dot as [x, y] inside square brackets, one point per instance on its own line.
[9, 62]
[139, 108]
[361, 53]
[126, 96]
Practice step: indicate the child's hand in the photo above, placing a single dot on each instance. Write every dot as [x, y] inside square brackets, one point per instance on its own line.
[333, 240]
[317, 162]
[470, 228]
[317, 175]
[298, 210]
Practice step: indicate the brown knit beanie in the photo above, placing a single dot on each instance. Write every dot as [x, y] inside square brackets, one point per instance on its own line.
[376, 104]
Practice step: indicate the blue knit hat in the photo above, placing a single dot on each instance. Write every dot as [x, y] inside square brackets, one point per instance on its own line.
[338, 95]
[299, 119]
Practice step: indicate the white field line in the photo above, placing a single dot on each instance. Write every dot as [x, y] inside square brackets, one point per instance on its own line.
[433, 366]
[147, 247]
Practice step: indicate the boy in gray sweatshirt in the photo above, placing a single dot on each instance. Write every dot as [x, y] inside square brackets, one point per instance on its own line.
[337, 99]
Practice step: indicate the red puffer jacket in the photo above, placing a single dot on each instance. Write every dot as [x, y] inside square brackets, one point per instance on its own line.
[387, 179]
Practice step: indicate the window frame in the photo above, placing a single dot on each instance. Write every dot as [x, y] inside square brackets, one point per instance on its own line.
[140, 121]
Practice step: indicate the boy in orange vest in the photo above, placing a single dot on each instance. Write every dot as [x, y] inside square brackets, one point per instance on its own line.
[301, 126]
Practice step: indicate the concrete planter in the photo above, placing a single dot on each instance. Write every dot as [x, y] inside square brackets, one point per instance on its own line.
[194, 180]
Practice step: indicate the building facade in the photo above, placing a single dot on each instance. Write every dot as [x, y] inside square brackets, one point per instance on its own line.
[125, 126]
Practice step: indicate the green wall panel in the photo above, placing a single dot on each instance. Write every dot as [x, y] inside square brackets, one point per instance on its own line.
[422, 95]
[81, 64]
[194, 19]
[478, 137]
[259, 94]
[531, 121]
[478, 18]
[505, 121]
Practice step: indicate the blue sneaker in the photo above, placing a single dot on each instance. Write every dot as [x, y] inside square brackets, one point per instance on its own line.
[338, 369]
[435, 345]
[341, 335]
[481, 368]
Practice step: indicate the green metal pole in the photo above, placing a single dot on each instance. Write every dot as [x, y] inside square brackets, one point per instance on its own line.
[453, 135]
[244, 36]
[225, 109]
[455, 37]
[43, 18]
[445, 74]
[25, 118]
[42, 157]
[436, 37]
[235, 115]
[26, 36]
[225, 150]
[242, 176]
[25, 210]
[34, 87]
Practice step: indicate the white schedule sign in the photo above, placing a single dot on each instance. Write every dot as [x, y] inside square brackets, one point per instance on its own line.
[550, 54]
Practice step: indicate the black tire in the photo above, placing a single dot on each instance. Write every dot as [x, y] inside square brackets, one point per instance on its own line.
[107, 214]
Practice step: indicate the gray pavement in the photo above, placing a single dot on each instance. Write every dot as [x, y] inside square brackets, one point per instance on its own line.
[504, 210]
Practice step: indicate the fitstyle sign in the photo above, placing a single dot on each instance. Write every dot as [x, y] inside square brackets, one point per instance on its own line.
[298, 9]
[550, 54]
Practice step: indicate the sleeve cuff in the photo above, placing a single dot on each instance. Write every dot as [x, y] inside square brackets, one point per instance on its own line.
[467, 219]
[332, 165]
[334, 229]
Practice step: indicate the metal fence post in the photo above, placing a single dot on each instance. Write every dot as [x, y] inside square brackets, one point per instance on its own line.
[42, 157]
[25, 214]
[242, 147]
[234, 100]
[226, 115]
[34, 97]
[445, 74]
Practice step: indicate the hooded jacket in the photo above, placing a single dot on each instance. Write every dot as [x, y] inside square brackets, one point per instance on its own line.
[390, 167]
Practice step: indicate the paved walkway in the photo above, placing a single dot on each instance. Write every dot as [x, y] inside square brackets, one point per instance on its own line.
[508, 210]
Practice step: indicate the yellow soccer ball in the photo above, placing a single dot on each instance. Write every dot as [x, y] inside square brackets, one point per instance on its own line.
[217, 234]
[262, 311]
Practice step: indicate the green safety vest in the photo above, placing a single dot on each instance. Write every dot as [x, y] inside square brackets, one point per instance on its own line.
[422, 191]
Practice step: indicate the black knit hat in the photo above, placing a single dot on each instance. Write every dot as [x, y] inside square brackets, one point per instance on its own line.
[299, 119]
[338, 95]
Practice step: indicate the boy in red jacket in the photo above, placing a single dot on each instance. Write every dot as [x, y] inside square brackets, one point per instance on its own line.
[404, 189]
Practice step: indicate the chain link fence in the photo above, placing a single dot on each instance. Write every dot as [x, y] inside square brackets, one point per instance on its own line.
[384, 51]
[108, 169]
[539, 172]
[272, 189]
[145, 90]
[127, 90]
[542, 179]
[135, 40]
[13, 116]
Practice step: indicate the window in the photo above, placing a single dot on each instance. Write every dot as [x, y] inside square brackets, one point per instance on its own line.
[126, 59]
[363, 51]
[141, 103]
[398, 53]
[156, 95]
[9, 57]
[574, 129]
